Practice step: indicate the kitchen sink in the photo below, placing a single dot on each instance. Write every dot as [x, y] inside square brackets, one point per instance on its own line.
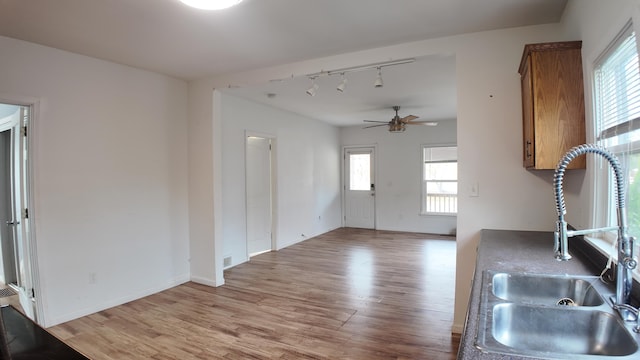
[551, 317]
[561, 331]
[546, 289]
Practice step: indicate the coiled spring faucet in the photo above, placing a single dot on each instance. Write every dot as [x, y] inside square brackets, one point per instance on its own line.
[626, 261]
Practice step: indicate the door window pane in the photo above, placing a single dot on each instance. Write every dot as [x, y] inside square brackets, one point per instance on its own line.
[359, 171]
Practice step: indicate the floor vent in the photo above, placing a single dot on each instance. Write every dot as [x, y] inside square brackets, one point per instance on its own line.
[227, 261]
[7, 292]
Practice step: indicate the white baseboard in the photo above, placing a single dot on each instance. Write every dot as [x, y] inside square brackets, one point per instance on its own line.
[205, 281]
[282, 246]
[457, 328]
[49, 321]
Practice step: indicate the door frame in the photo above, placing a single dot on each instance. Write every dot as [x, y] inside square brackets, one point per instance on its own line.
[35, 110]
[343, 183]
[273, 177]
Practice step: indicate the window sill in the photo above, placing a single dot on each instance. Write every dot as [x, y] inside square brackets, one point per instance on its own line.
[438, 214]
[596, 254]
[607, 249]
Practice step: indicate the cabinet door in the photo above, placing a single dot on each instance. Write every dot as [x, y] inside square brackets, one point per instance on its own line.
[558, 106]
[527, 116]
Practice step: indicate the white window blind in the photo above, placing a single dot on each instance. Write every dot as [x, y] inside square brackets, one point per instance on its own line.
[617, 86]
[617, 125]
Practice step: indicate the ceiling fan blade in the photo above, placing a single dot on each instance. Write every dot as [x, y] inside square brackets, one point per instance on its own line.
[366, 127]
[375, 121]
[406, 119]
[426, 123]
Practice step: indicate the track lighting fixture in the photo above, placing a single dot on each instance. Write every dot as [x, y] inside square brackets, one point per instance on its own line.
[378, 83]
[343, 84]
[311, 91]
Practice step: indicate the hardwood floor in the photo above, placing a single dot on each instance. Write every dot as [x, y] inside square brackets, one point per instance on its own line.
[348, 294]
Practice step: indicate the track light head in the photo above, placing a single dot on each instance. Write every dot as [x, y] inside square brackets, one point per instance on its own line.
[311, 91]
[378, 83]
[343, 84]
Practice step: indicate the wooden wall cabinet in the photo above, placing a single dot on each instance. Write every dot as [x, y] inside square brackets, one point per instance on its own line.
[552, 103]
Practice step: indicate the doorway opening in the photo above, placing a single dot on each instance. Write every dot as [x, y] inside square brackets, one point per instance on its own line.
[16, 249]
[259, 194]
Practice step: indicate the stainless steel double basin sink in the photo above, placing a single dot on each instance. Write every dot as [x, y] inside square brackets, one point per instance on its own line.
[551, 317]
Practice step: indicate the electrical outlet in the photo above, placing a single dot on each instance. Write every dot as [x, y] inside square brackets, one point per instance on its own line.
[475, 190]
[92, 278]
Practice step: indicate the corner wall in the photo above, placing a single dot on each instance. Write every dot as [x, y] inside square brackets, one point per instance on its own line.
[109, 159]
[307, 166]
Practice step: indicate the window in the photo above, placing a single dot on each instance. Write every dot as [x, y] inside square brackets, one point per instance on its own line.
[360, 171]
[440, 180]
[617, 125]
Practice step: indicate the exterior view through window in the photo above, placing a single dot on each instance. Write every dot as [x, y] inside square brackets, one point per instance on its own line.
[440, 180]
[360, 172]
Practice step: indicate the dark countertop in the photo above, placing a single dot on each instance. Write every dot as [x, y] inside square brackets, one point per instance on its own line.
[511, 251]
[23, 339]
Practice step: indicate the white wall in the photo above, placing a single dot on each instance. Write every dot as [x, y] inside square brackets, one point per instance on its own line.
[109, 152]
[399, 174]
[307, 167]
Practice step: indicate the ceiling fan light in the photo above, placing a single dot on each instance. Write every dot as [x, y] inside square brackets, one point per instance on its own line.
[397, 128]
[378, 83]
[211, 4]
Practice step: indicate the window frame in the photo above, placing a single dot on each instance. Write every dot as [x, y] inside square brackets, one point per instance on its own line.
[603, 182]
[424, 182]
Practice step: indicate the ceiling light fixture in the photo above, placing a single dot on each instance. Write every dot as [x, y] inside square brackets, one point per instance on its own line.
[211, 4]
[314, 87]
[343, 84]
[359, 68]
[378, 83]
[342, 71]
[397, 128]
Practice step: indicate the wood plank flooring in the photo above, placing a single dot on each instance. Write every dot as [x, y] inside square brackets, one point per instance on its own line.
[347, 294]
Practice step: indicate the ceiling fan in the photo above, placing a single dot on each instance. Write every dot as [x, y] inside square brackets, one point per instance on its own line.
[398, 124]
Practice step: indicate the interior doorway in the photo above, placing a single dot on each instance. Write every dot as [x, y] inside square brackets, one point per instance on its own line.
[259, 207]
[359, 186]
[15, 235]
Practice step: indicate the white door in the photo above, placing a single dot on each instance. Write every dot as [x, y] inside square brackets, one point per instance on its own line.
[359, 188]
[18, 222]
[258, 183]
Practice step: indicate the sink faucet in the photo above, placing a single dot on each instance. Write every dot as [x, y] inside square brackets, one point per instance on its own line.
[626, 261]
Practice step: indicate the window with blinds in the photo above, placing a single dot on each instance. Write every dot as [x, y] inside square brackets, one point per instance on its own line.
[617, 122]
[439, 180]
[617, 98]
